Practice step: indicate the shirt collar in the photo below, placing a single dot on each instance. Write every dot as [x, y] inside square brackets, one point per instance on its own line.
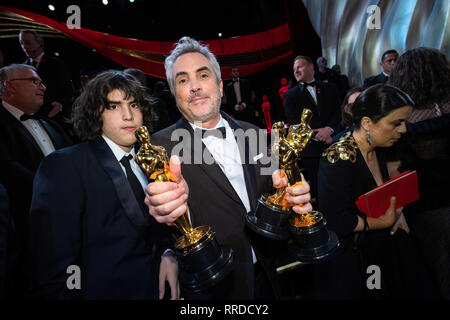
[38, 58]
[221, 123]
[118, 152]
[17, 113]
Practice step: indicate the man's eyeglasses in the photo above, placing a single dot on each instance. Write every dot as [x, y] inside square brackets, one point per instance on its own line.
[35, 81]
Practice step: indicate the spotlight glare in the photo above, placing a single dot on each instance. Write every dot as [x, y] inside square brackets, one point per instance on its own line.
[220, 34]
[105, 2]
[51, 7]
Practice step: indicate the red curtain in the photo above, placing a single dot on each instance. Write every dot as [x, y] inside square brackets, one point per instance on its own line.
[251, 53]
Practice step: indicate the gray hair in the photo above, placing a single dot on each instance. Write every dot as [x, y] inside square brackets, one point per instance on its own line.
[187, 45]
[319, 59]
[9, 71]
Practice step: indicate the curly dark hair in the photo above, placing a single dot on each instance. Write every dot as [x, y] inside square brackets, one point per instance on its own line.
[89, 106]
[424, 74]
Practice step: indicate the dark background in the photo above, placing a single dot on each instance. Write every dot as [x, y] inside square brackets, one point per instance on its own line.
[169, 21]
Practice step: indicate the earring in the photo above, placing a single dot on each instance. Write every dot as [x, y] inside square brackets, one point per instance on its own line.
[369, 139]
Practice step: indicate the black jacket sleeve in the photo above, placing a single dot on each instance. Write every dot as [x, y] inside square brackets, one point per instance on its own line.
[336, 196]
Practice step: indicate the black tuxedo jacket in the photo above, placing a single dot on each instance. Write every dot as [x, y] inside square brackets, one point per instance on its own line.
[214, 202]
[57, 79]
[9, 251]
[326, 113]
[84, 213]
[20, 156]
[248, 113]
[379, 78]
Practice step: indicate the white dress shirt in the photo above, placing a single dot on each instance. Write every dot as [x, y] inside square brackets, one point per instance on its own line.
[312, 91]
[119, 154]
[35, 128]
[227, 155]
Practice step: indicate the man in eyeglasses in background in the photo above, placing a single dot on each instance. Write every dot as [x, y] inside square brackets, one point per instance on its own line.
[25, 139]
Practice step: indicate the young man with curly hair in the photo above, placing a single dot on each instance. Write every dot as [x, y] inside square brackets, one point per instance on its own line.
[91, 234]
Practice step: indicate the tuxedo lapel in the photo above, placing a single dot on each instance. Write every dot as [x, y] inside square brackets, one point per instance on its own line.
[108, 161]
[212, 170]
[13, 123]
[56, 137]
[307, 94]
[319, 98]
[309, 103]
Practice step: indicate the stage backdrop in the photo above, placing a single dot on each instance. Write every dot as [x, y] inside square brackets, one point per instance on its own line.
[403, 24]
[251, 53]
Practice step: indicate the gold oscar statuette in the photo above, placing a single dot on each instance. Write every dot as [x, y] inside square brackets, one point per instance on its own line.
[154, 162]
[274, 213]
[203, 261]
[289, 145]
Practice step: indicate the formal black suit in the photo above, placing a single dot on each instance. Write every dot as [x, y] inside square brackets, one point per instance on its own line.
[248, 114]
[379, 78]
[84, 213]
[57, 79]
[20, 156]
[214, 202]
[326, 113]
[9, 251]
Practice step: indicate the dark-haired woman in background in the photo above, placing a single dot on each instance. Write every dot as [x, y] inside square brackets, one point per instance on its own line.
[348, 169]
[424, 74]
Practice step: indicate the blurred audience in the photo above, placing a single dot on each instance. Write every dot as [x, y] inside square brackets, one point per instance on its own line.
[387, 63]
[240, 98]
[342, 80]
[54, 73]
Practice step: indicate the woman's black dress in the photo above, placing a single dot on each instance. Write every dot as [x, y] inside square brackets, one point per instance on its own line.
[345, 275]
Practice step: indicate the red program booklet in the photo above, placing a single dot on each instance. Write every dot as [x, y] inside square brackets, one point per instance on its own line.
[375, 202]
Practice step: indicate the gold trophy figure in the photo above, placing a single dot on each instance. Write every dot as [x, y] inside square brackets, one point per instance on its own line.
[289, 147]
[274, 217]
[204, 262]
[273, 212]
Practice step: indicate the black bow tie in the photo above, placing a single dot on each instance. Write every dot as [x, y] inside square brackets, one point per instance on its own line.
[309, 84]
[217, 132]
[237, 80]
[25, 117]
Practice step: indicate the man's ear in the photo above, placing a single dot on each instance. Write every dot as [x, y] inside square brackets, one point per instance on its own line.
[7, 86]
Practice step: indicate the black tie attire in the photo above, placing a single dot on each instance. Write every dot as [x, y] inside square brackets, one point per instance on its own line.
[133, 181]
[310, 84]
[25, 117]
